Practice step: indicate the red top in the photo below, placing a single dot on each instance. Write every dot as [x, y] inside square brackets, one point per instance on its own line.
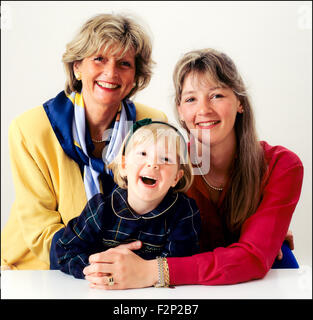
[262, 234]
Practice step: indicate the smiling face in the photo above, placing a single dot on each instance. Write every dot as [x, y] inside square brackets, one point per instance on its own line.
[106, 78]
[208, 108]
[151, 169]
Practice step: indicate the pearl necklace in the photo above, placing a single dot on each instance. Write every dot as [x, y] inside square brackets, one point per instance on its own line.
[205, 180]
[98, 141]
[105, 137]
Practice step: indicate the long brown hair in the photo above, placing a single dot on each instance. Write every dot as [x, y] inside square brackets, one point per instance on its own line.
[243, 195]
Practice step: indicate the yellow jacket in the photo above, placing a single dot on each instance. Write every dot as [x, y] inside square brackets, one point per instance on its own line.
[49, 189]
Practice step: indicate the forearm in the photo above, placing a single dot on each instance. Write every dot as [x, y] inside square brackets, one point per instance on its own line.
[38, 229]
[54, 264]
[261, 237]
[249, 258]
[70, 259]
[222, 266]
[75, 266]
[151, 272]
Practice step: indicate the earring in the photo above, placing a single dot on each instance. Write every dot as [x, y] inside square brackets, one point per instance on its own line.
[78, 76]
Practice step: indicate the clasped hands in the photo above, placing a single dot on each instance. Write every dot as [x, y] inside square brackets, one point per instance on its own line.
[127, 269]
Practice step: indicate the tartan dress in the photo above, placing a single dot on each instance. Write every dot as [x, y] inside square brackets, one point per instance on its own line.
[170, 230]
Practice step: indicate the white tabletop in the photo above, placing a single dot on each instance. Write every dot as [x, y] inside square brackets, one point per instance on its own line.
[51, 284]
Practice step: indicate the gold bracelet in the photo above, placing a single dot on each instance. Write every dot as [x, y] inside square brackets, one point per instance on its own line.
[164, 275]
[160, 282]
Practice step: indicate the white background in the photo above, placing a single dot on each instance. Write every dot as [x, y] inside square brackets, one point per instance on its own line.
[270, 42]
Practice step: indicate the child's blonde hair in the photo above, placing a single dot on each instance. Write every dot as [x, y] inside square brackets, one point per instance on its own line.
[150, 134]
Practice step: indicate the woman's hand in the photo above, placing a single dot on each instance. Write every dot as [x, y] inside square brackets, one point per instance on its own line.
[289, 239]
[127, 269]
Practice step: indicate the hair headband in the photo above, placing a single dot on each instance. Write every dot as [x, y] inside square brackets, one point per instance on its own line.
[144, 122]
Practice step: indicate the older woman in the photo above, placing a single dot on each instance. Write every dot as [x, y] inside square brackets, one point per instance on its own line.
[59, 150]
[246, 198]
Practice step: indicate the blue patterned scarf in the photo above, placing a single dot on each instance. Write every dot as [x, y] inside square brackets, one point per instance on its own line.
[67, 117]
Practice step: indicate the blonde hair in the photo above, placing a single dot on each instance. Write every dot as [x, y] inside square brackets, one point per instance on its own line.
[110, 31]
[243, 196]
[150, 134]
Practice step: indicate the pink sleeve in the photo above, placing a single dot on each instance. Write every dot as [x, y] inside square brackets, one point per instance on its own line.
[261, 237]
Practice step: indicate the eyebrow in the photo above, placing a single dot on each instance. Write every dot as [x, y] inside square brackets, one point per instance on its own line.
[194, 91]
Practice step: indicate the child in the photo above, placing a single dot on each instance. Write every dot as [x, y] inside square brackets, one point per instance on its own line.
[152, 170]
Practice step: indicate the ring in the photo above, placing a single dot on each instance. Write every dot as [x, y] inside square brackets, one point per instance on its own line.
[110, 281]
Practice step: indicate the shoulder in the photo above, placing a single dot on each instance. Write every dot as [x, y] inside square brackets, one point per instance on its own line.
[143, 111]
[33, 123]
[280, 156]
[283, 167]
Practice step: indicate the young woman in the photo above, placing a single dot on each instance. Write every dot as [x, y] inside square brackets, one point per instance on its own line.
[246, 198]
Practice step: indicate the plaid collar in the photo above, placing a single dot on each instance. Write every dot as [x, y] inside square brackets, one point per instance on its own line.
[121, 208]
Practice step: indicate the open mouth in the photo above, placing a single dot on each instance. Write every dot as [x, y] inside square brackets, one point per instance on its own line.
[148, 180]
[107, 85]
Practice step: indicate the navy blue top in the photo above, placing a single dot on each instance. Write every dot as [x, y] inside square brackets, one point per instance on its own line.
[171, 229]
